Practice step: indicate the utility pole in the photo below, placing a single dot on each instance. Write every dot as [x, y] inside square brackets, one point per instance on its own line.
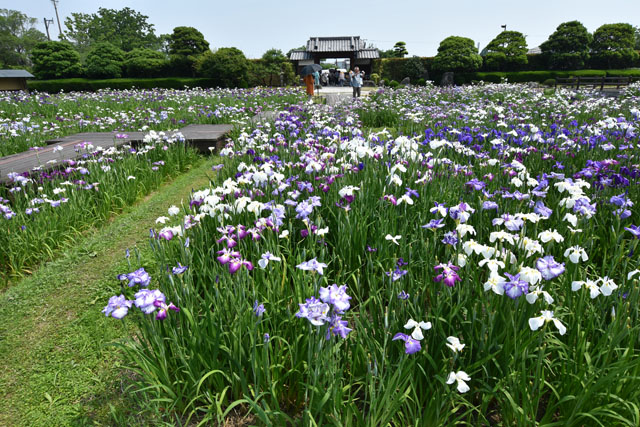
[55, 6]
[48, 22]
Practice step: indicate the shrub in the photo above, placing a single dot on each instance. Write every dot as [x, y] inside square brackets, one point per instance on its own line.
[568, 47]
[186, 44]
[549, 82]
[457, 54]
[54, 60]
[104, 61]
[613, 46]
[393, 84]
[228, 67]
[145, 63]
[375, 77]
[508, 51]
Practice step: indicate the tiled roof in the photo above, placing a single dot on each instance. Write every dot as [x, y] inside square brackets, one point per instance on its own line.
[368, 54]
[14, 73]
[335, 44]
[299, 55]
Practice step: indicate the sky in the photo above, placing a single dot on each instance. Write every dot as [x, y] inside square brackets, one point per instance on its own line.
[254, 26]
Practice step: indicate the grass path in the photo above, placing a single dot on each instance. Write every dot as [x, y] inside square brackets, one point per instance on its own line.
[57, 366]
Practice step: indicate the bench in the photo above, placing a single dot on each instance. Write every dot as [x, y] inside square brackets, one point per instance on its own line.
[593, 82]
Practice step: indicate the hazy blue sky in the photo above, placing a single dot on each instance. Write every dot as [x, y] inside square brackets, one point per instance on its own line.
[257, 25]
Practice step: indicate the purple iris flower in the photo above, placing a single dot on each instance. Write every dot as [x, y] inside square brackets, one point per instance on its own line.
[542, 210]
[146, 298]
[396, 274]
[337, 327]
[179, 269]
[164, 309]
[448, 275]
[634, 229]
[117, 307]
[412, 193]
[450, 238]
[549, 268]
[434, 224]
[312, 265]
[258, 309]
[314, 310]
[138, 277]
[489, 205]
[476, 184]
[337, 296]
[403, 295]
[515, 287]
[410, 345]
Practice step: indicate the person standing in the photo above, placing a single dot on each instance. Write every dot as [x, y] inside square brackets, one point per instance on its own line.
[316, 80]
[356, 82]
[341, 79]
[308, 81]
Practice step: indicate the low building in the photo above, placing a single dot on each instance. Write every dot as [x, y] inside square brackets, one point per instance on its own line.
[349, 47]
[14, 79]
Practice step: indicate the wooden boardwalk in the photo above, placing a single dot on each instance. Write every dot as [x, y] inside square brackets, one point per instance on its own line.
[200, 136]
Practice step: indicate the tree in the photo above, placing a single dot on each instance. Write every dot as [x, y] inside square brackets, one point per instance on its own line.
[613, 46]
[227, 67]
[268, 70]
[55, 60]
[185, 45]
[568, 47]
[457, 54]
[125, 28]
[104, 61]
[400, 50]
[637, 31]
[506, 52]
[144, 63]
[389, 53]
[17, 38]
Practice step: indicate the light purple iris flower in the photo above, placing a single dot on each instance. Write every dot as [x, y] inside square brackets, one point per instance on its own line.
[314, 310]
[336, 295]
[138, 277]
[179, 269]
[549, 268]
[117, 307]
[146, 298]
[312, 265]
[164, 309]
[515, 287]
[337, 327]
[410, 345]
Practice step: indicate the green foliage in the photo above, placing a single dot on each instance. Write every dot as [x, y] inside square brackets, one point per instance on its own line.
[400, 50]
[89, 85]
[145, 63]
[55, 60]
[17, 38]
[375, 77]
[506, 52]
[124, 28]
[186, 44]
[227, 67]
[568, 47]
[457, 54]
[104, 61]
[613, 46]
[273, 69]
[399, 68]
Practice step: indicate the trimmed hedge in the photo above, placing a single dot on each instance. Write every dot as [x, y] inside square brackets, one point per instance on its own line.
[539, 76]
[69, 85]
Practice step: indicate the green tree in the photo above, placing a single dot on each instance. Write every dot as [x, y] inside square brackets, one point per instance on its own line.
[568, 47]
[389, 53]
[268, 70]
[228, 67]
[125, 28]
[613, 46]
[637, 32]
[55, 60]
[104, 61]
[457, 54]
[17, 38]
[400, 50]
[506, 52]
[145, 63]
[185, 45]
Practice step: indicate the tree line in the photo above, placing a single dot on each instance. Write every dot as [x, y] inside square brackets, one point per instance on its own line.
[115, 43]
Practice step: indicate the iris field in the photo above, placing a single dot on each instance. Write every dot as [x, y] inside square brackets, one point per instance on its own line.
[424, 256]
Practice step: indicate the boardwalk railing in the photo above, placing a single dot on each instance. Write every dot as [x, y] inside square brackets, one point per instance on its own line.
[601, 83]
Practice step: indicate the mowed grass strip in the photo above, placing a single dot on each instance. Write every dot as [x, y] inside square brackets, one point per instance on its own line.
[58, 365]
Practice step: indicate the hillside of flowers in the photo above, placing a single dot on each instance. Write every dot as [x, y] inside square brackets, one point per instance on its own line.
[428, 256]
[27, 119]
